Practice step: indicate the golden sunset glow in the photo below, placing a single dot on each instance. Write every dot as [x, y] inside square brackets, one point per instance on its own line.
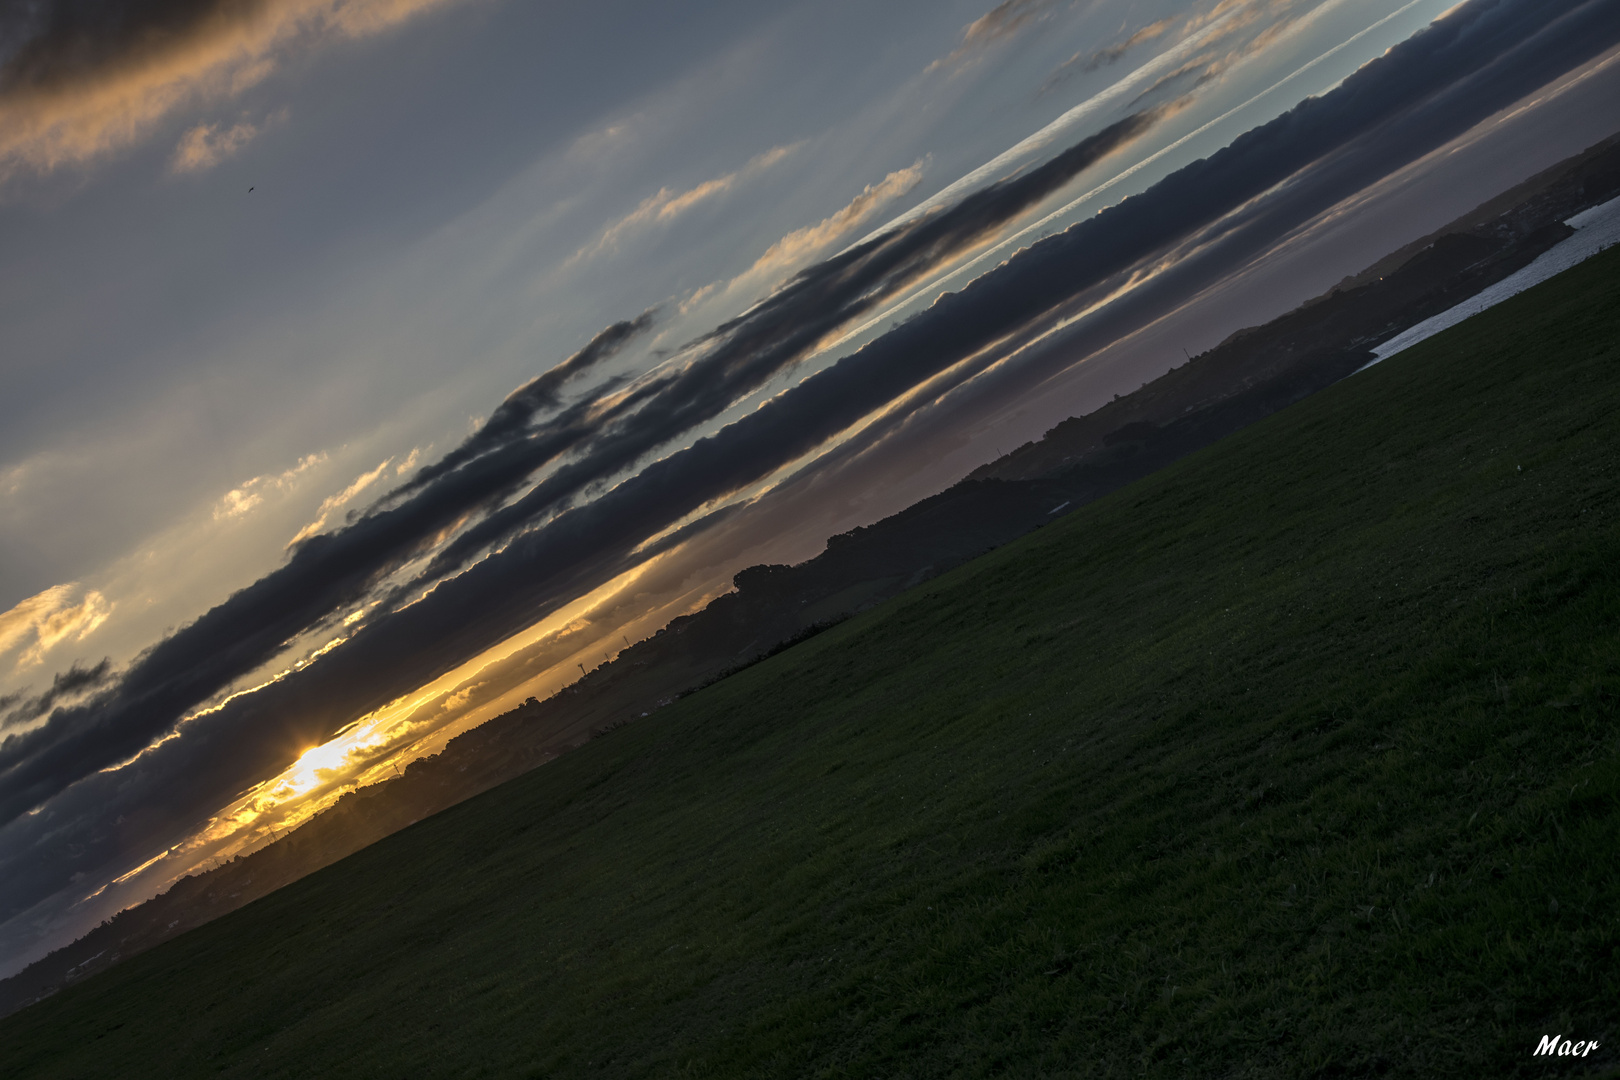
[374, 747]
[315, 767]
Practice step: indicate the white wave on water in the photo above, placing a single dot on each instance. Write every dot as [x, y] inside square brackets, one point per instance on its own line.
[1595, 229]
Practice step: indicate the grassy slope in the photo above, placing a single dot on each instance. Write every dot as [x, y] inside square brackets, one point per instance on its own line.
[1299, 757]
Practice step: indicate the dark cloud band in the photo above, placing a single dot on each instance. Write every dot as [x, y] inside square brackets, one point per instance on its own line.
[44, 43]
[510, 422]
[334, 571]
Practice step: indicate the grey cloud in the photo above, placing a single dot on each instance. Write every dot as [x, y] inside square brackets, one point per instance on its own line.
[1432, 88]
[1003, 20]
[1450, 69]
[1203, 255]
[332, 571]
[1104, 57]
[47, 42]
[81, 78]
[1437, 84]
[510, 421]
[224, 752]
[65, 685]
[746, 352]
[1007, 17]
[324, 575]
[76, 678]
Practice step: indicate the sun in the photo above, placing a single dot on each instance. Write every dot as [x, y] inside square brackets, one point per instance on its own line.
[305, 773]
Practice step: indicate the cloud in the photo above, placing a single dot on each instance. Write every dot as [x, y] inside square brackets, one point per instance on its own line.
[341, 499]
[666, 204]
[743, 354]
[65, 686]
[793, 250]
[609, 430]
[1003, 20]
[45, 620]
[1429, 89]
[567, 534]
[86, 78]
[1206, 32]
[511, 419]
[603, 140]
[1101, 58]
[206, 145]
[1212, 64]
[325, 573]
[1071, 122]
[796, 246]
[242, 500]
[1245, 11]
[18, 624]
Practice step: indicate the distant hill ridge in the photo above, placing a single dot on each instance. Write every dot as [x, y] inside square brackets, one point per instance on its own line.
[1254, 373]
[1260, 369]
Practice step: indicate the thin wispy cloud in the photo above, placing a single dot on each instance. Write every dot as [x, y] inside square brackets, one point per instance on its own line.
[66, 687]
[333, 503]
[511, 421]
[796, 246]
[1243, 11]
[250, 494]
[1211, 29]
[744, 354]
[593, 144]
[1001, 21]
[1066, 126]
[666, 204]
[1083, 62]
[794, 249]
[1211, 64]
[206, 145]
[84, 80]
[62, 613]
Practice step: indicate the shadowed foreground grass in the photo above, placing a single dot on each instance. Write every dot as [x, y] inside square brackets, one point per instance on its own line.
[1296, 759]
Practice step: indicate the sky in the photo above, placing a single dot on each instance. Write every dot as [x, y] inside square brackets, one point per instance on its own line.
[367, 365]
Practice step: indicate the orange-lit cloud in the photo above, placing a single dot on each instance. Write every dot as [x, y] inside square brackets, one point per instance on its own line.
[206, 145]
[45, 620]
[344, 497]
[1249, 11]
[244, 498]
[1003, 20]
[798, 246]
[666, 204]
[71, 98]
[1099, 58]
[417, 723]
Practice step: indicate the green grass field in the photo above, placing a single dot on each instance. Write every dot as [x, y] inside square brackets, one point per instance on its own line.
[1299, 758]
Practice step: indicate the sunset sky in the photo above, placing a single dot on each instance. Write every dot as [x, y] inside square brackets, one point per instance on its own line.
[367, 365]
